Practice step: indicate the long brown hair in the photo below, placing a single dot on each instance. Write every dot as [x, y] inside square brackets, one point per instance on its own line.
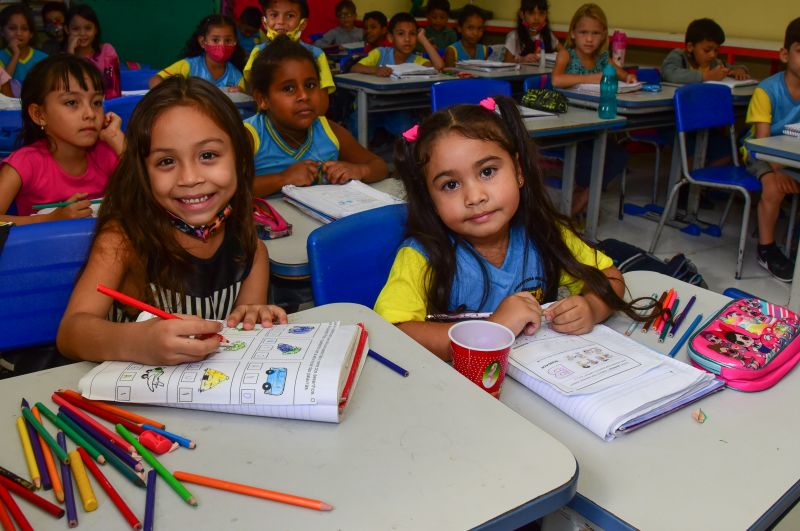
[544, 225]
[129, 203]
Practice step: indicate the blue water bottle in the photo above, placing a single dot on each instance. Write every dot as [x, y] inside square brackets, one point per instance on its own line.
[608, 93]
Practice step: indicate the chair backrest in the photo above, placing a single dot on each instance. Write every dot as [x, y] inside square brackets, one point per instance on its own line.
[537, 81]
[136, 79]
[447, 93]
[123, 106]
[702, 106]
[10, 126]
[38, 268]
[351, 258]
[648, 75]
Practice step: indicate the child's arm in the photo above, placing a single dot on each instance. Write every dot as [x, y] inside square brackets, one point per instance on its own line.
[430, 49]
[577, 314]
[302, 173]
[251, 303]
[11, 67]
[10, 185]
[85, 333]
[450, 57]
[112, 133]
[563, 80]
[624, 75]
[355, 162]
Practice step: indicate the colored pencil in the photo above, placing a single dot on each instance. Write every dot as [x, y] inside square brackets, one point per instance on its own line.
[660, 303]
[388, 363]
[94, 408]
[183, 441]
[176, 485]
[657, 326]
[27, 450]
[136, 303]
[685, 336]
[14, 509]
[44, 433]
[105, 443]
[82, 480]
[61, 204]
[35, 499]
[70, 432]
[682, 316]
[58, 489]
[670, 321]
[22, 482]
[150, 501]
[122, 507]
[5, 518]
[253, 491]
[69, 493]
[89, 444]
[114, 410]
[38, 454]
[76, 412]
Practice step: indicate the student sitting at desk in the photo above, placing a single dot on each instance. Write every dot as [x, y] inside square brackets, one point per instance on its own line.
[439, 33]
[471, 22]
[775, 103]
[346, 32]
[484, 235]
[18, 56]
[376, 27]
[532, 26]
[292, 142]
[699, 60]
[248, 29]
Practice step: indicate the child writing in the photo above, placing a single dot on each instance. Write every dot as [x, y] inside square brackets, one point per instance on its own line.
[70, 146]
[175, 230]
[83, 40]
[375, 30]
[53, 15]
[699, 60]
[484, 235]
[438, 32]
[211, 53]
[775, 103]
[346, 32]
[533, 32]
[18, 57]
[292, 142]
[586, 52]
[471, 22]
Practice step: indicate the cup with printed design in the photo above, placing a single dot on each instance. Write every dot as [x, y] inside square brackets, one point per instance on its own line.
[480, 352]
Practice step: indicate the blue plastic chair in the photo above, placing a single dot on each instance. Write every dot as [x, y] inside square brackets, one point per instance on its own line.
[699, 107]
[350, 259]
[123, 106]
[136, 79]
[38, 268]
[473, 90]
[537, 81]
[10, 126]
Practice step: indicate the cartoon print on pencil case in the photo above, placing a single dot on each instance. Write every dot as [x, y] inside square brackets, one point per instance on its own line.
[287, 349]
[300, 329]
[153, 377]
[727, 344]
[211, 378]
[275, 382]
[236, 345]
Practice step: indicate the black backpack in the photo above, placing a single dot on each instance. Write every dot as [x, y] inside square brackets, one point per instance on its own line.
[628, 257]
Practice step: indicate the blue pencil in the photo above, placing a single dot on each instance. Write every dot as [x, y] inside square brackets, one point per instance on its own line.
[392, 365]
[150, 500]
[685, 336]
[183, 441]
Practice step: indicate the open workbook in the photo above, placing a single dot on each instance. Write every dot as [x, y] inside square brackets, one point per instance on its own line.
[604, 380]
[329, 202]
[298, 371]
[594, 88]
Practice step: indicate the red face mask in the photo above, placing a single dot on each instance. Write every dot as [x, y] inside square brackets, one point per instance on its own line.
[220, 52]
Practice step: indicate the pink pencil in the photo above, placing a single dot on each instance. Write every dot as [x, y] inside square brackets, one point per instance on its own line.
[663, 317]
[113, 437]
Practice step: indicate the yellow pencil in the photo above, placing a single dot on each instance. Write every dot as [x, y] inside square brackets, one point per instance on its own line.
[82, 480]
[58, 488]
[27, 449]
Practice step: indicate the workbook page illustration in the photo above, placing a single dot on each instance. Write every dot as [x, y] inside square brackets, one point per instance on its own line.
[286, 365]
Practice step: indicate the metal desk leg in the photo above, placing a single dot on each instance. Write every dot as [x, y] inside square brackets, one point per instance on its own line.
[596, 184]
[568, 178]
[674, 172]
[361, 115]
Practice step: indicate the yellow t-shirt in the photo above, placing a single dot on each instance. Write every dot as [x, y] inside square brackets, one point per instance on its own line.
[325, 76]
[385, 56]
[760, 108]
[404, 297]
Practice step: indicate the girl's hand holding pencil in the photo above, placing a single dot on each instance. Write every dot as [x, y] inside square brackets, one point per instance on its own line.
[571, 315]
[520, 313]
[76, 207]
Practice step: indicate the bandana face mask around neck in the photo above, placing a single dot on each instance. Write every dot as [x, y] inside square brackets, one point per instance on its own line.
[202, 232]
[293, 34]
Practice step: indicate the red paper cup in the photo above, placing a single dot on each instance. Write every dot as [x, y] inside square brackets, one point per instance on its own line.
[480, 352]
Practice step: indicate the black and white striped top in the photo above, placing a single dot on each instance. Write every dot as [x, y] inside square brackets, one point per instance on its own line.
[211, 287]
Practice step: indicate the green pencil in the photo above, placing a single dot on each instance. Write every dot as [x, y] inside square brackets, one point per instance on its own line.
[72, 434]
[176, 485]
[41, 430]
[63, 204]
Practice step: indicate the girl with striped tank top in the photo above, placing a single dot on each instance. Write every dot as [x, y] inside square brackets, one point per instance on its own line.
[175, 230]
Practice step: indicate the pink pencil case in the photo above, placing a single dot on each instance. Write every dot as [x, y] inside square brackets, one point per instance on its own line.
[750, 344]
[269, 223]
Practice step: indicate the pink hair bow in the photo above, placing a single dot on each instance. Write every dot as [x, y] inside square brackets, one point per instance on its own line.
[488, 103]
[411, 134]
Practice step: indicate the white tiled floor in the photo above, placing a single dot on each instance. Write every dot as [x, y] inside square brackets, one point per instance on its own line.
[715, 258]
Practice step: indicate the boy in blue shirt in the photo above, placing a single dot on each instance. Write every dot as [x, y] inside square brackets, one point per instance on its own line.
[775, 103]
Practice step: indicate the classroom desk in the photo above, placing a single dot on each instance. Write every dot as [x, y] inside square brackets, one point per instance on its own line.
[784, 150]
[431, 451]
[738, 470]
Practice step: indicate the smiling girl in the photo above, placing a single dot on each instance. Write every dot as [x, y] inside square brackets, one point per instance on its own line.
[83, 40]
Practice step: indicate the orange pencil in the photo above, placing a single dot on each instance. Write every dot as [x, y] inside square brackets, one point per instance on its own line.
[118, 411]
[663, 317]
[253, 491]
[58, 488]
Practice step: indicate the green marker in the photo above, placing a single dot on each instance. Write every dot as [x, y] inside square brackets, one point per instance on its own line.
[61, 204]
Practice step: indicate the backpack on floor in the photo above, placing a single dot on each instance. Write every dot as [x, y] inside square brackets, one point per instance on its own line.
[750, 344]
[628, 257]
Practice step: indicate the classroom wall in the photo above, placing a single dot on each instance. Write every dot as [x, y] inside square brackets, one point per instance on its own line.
[766, 19]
